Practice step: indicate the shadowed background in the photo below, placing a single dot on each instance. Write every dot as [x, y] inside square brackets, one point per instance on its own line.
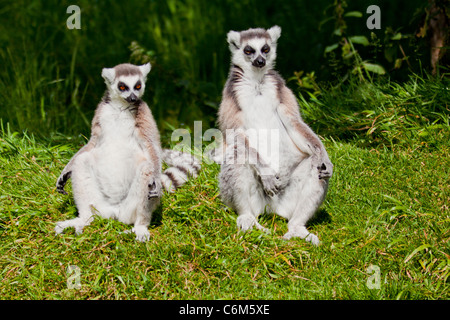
[50, 75]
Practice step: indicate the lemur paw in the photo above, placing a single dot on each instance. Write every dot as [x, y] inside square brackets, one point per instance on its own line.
[142, 233]
[271, 184]
[325, 170]
[310, 237]
[154, 190]
[247, 221]
[323, 166]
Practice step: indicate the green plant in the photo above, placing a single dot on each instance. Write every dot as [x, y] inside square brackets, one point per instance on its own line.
[382, 113]
[306, 83]
[349, 61]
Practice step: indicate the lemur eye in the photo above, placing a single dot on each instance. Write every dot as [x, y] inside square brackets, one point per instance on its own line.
[249, 50]
[122, 86]
[265, 49]
[137, 87]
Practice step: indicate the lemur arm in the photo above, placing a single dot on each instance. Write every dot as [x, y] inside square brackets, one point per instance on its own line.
[148, 132]
[67, 171]
[236, 144]
[302, 135]
[150, 141]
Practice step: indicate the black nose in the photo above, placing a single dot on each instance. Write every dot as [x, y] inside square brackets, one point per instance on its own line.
[131, 98]
[259, 62]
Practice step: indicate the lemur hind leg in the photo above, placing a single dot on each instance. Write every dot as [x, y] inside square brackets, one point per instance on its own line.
[243, 193]
[143, 198]
[87, 196]
[301, 200]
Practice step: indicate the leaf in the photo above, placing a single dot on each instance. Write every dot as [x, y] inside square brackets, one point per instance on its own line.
[390, 53]
[422, 247]
[338, 32]
[397, 36]
[398, 63]
[331, 48]
[375, 68]
[121, 280]
[285, 259]
[398, 202]
[422, 32]
[355, 14]
[349, 241]
[435, 126]
[372, 130]
[273, 275]
[360, 40]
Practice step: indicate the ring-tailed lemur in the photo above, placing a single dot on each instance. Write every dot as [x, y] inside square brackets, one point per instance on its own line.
[117, 174]
[290, 179]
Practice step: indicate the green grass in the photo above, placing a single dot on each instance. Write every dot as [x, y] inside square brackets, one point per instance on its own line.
[411, 114]
[387, 206]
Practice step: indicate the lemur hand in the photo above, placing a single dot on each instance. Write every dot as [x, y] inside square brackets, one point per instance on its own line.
[323, 165]
[271, 182]
[154, 189]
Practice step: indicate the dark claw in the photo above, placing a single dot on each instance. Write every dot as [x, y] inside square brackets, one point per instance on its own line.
[269, 193]
[324, 175]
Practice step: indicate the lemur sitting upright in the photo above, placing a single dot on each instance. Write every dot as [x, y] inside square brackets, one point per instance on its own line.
[289, 177]
[117, 174]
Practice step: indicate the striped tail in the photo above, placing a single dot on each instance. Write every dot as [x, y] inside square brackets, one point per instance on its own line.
[182, 166]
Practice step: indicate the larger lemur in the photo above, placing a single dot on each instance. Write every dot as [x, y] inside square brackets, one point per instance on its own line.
[285, 167]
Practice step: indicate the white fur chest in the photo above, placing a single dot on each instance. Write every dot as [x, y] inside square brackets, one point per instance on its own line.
[263, 126]
[118, 125]
[258, 101]
[117, 152]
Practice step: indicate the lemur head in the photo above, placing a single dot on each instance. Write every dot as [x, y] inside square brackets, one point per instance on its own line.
[126, 82]
[254, 48]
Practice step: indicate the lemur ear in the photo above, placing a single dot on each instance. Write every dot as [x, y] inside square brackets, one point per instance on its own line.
[109, 74]
[234, 40]
[145, 69]
[274, 33]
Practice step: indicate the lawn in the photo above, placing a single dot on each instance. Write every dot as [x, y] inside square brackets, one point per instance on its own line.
[384, 227]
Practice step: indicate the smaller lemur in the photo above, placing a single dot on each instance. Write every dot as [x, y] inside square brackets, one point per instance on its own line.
[117, 174]
[285, 167]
